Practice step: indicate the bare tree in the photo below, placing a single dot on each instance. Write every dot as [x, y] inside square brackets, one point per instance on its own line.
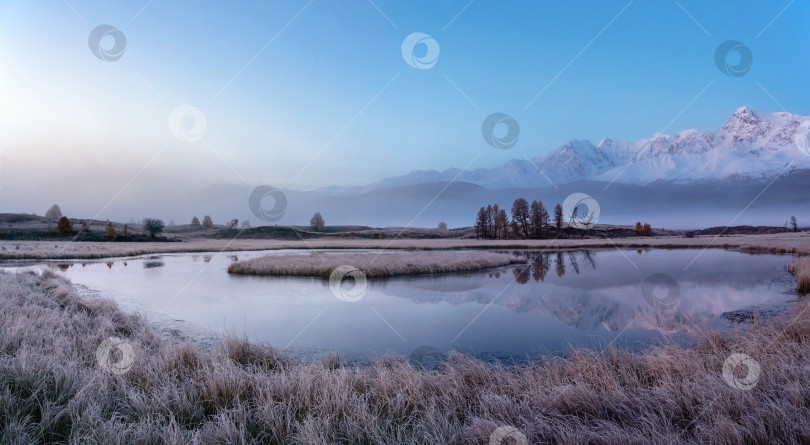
[585, 222]
[520, 215]
[501, 225]
[64, 227]
[481, 223]
[558, 219]
[538, 218]
[53, 212]
[109, 233]
[153, 226]
[316, 223]
[207, 222]
[793, 224]
[230, 225]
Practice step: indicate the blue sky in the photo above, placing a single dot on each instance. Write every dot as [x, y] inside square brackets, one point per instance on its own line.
[305, 94]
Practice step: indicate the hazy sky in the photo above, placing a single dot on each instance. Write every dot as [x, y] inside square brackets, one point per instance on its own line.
[302, 94]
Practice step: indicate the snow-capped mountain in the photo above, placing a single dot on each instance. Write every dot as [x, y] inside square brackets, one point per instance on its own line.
[750, 145]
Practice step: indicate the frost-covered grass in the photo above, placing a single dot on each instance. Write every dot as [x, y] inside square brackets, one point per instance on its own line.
[776, 243]
[800, 267]
[382, 264]
[52, 389]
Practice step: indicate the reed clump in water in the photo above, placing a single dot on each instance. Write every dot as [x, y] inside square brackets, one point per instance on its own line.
[800, 267]
[54, 389]
[374, 264]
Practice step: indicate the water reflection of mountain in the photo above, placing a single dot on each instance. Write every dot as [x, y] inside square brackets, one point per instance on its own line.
[573, 287]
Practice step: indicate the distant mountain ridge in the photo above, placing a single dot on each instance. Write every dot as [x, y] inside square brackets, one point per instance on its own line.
[749, 145]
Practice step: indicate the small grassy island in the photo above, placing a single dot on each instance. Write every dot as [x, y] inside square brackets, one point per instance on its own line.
[374, 264]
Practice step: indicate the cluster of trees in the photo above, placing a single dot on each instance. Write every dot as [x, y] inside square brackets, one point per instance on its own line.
[528, 221]
[207, 223]
[643, 230]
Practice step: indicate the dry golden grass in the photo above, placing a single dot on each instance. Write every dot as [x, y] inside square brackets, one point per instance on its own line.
[800, 267]
[52, 388]
[382, 264]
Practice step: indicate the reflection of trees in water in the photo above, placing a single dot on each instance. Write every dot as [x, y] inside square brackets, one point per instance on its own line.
[539, 263]
[560, 265]
[521, 274]
[540, 266]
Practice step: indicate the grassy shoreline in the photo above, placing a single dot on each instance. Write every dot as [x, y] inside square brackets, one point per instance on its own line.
[384, 264]
[35, 250]
[54, 387]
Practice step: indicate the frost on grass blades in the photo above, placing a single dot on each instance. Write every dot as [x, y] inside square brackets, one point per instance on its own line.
[372, 264]
[242, 392]
[107, 352]
[749, 377]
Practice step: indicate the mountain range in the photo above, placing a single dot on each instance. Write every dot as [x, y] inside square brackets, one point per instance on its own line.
[750, 145]
[752, 170]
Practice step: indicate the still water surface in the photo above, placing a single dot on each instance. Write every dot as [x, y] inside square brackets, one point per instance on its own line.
[579, 298]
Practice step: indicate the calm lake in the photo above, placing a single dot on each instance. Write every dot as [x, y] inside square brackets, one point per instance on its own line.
[582, 298]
